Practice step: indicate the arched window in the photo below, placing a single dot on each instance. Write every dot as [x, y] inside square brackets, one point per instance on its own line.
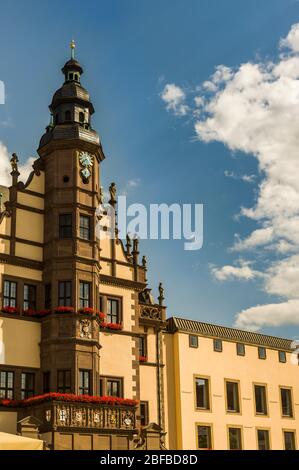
[81, 117]
[76, 76]
[56, 120]
[71, 76]
[68, 115]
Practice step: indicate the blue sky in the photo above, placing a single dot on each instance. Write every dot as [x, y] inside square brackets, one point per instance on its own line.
[130, 50]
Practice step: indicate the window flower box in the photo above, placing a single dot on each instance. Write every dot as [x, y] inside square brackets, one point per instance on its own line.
[142, 359]
[112, 326]
[36, 313]
[63, 309]
[69, 397]
[12, 310]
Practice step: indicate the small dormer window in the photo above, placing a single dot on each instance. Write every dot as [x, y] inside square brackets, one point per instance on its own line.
[68, 115]
[81, 117]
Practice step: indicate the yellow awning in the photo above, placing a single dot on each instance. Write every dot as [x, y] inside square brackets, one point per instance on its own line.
[13, 442]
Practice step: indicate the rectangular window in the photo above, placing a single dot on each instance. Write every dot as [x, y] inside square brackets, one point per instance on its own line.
[263, 439]
[114, 388]
[85, 224]
[65, 226]
[46, 382]
[48, 296]
[111, 386]
[260, 399]
[193, 341]
[286, 402]
[282, 356]
[202, 391]
[84, 382]
[65, 293]
[27, 385]
[218, 345]
[204, 437]
[232, 397]
[142, 346]
[64, 381]
[235, 438]
[29, 297]
[289, 440]
[262, 353]
[6, 384]
[240, 349]
[10, 294]
[84, 295]
[113, 311]
[144, 413]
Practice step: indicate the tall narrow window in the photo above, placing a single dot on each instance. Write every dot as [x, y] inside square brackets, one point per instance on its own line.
[235, 438]
[202, 391]
[29, 297]
[65, 226]
[81, 117]
[27, 385]
[142, 346]
[65, 293]
[84, 295]
[114, 387]
[204, 437]
[46, 382]
[232, 397]
[144, 413]
[263, 439]
[282, 356]
[48, 296]
[217, 345]
[289, 440]
[6, 384]
[85, 224]
[64, 381]
[240, 349]
[260, 400]
[10, 294]
[113, 311]
[286, 402]
[193, 341]
[84, 382]
[262, 353]
[68, 115]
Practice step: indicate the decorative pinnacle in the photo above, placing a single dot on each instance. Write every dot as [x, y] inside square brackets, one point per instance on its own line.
[73, 47]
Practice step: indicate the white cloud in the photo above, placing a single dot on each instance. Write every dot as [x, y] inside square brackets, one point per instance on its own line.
[254, 108]
[5, 167]
[242, 271]
[292, 39]
[273, 315]
[174, 97]
[131, 184]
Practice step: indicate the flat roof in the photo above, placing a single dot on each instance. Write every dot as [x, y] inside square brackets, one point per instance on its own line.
[179, 324]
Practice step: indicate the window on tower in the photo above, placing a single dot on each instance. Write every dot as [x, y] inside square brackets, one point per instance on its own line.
[85, 225]
[10, 294]
[81, 117]
[29, 297]
[68, 115]
[65, 226]
[65, 293]
[84, 294]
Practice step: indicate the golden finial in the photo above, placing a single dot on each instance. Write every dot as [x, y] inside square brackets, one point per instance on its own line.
[73, 47]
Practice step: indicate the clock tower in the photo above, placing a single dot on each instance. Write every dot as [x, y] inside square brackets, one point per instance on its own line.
[70, 154]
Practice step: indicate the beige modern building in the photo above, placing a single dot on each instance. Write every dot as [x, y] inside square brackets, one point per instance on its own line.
[230, 389]
[87, 357]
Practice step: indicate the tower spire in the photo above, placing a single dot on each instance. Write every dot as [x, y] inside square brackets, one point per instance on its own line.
[73, 47]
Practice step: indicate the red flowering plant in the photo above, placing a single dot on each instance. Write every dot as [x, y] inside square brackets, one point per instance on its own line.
[63, 309]
[69, 397]
[92, 311]
[112, 326]
[8, 309]
[142, 359]
[36, 313]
